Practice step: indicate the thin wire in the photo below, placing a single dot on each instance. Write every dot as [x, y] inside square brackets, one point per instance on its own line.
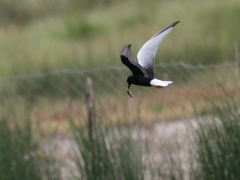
[113, 67]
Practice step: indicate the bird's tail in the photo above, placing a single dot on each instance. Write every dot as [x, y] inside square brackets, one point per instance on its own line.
[159, 83]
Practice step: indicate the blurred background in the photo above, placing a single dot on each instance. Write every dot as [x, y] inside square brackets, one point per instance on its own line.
[65, 112]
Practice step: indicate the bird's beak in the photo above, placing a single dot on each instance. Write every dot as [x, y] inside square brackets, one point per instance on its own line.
[129, 93]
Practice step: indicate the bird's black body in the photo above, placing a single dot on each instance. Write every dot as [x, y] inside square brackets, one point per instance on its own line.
[141, 81]
[140, 76]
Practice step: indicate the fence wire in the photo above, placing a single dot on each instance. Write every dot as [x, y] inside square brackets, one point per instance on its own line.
[60, 93]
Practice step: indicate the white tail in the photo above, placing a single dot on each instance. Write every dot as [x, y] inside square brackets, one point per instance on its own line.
[157, 83]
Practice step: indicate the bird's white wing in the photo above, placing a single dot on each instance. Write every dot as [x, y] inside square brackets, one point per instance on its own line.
[146, 55]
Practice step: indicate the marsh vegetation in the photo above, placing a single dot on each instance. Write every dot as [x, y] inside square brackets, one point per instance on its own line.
[49, 48]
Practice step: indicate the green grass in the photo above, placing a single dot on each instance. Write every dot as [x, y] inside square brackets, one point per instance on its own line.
[74, 38]
[80, 27]
[109, 154]
[20, 155]
[218, 142]
[119, 152]
[26, 11]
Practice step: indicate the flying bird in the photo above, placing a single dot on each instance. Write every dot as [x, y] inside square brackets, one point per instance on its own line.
[143, 70]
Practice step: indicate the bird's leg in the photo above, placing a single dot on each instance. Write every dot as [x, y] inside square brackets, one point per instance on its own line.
[129, 93]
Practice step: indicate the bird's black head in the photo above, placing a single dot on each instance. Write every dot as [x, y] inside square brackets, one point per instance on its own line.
[130, 81]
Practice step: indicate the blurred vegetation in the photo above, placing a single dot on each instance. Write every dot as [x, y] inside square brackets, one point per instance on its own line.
[82, 28]
[212, 154]
[120, 152]
[39, 36]
[25, 11]
[109, 155]
[20, 154]
[218, 141]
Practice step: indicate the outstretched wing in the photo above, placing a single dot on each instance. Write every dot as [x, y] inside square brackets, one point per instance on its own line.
[128, 59]
[146, 55]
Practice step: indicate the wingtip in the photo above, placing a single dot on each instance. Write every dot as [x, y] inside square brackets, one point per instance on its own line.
[175, 23]
[128, 45]
[125, 50]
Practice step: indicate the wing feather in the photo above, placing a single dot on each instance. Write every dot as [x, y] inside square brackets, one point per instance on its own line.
[146, 55]
[128, 59]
